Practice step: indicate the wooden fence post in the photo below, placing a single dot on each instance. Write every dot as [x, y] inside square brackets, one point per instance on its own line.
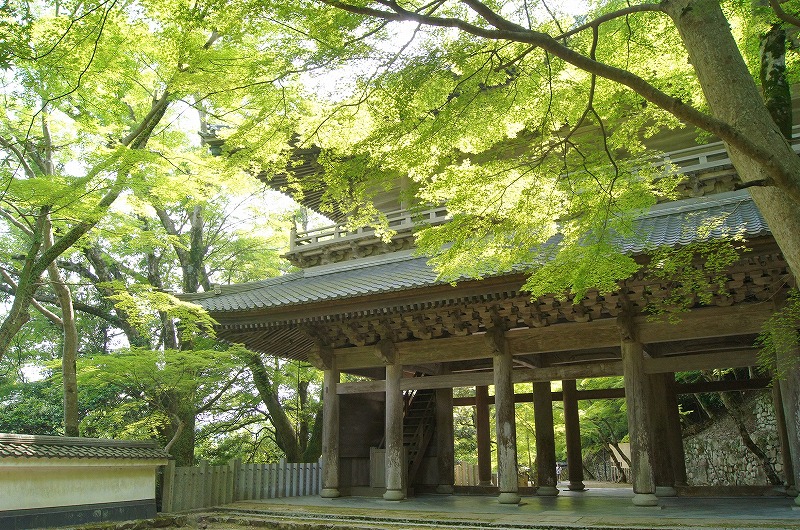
[235, 473]
[281, 476]
[167, 486]
[273, 481]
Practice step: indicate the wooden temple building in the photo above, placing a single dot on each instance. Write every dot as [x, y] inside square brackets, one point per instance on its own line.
[375, 310]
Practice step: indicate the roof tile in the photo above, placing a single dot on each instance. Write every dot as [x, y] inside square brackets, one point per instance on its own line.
[26, 446]
[670, 224]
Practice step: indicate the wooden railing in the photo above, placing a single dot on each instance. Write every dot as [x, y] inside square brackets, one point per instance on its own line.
[203, 486]
[708, 156]
[398, 221]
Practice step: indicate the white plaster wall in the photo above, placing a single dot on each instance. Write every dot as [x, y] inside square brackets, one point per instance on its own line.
[59, 483]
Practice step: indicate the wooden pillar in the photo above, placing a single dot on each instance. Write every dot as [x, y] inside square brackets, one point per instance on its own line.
[394, 433]
[637, 398]
[545, 439]
[786, 455]
[323, 358]
[445, 450]
[660, 455]
[484, 435]
[789, 366]
[330, 434]
[677, 456]
[572, 429]
[504, 418]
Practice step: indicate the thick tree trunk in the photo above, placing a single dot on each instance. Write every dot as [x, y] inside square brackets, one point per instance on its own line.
[774, 84]
[313, 450]
[733, 97]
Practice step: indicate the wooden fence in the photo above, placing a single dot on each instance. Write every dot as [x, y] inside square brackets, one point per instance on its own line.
[189, 488]
[466, 474]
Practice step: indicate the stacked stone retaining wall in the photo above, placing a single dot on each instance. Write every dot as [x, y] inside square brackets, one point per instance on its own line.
[717, 456]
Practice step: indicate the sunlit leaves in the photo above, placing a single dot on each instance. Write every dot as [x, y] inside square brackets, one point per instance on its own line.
[779, 340]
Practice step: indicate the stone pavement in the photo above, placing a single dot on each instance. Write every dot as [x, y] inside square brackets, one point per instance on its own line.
[606, 508]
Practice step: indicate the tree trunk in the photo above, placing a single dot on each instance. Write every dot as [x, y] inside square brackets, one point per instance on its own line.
[774, 85]
[314, 448]
[181, 434]
[69, 354]
[17, 316]
[762, 457]
[285, 435]
[302, 431]
[733, 97]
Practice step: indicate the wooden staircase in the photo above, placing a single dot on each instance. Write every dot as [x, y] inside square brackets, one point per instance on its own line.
[419, 422]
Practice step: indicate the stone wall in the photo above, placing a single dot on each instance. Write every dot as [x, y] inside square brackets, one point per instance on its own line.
[718, 457]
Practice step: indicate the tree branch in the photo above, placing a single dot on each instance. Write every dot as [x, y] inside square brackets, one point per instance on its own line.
[16, 222]
[673, 105]
[783, 15]
[19, 155]
[640, 8]
[11, 289]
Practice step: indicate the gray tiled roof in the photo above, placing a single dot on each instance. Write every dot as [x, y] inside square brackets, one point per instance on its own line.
[669, 224]
[26, 446]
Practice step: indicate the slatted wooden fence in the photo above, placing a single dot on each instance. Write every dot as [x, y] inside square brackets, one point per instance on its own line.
[189, 488]
[466, 474]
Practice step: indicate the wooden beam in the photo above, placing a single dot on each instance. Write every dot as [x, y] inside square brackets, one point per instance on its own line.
[527, 397]
[617, 393]
[419, 352]
[470, 379]
[567, 336]
[704, 361]
[702, 323]
[706, 322]
[723, 386]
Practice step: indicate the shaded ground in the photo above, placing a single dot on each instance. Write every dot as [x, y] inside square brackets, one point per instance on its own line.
[596, 508]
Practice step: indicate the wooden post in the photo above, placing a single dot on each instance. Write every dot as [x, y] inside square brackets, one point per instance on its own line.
[572, 429]
[394, 433]
[445, 442]
[660, 455]
[786, 454]
[545, 440]
[637, 398]
[789, 366]
[330, 430]
[282, 478]
[483, 435]
[504, 417]
[205, 485]
[677, 456]
[168, 487]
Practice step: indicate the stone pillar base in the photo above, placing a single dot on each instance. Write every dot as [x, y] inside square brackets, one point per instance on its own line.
[445, 489]
[645, 499]
[546, 491]
[576, 486]
[666, 491]
[393, 495]
[791, 491]
[329, 493]
[797, 500]
[509, 497]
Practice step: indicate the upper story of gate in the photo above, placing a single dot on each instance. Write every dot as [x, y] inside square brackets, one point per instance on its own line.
[706, 169]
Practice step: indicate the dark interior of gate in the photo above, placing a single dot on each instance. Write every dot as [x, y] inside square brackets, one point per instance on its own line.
[365, 307]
